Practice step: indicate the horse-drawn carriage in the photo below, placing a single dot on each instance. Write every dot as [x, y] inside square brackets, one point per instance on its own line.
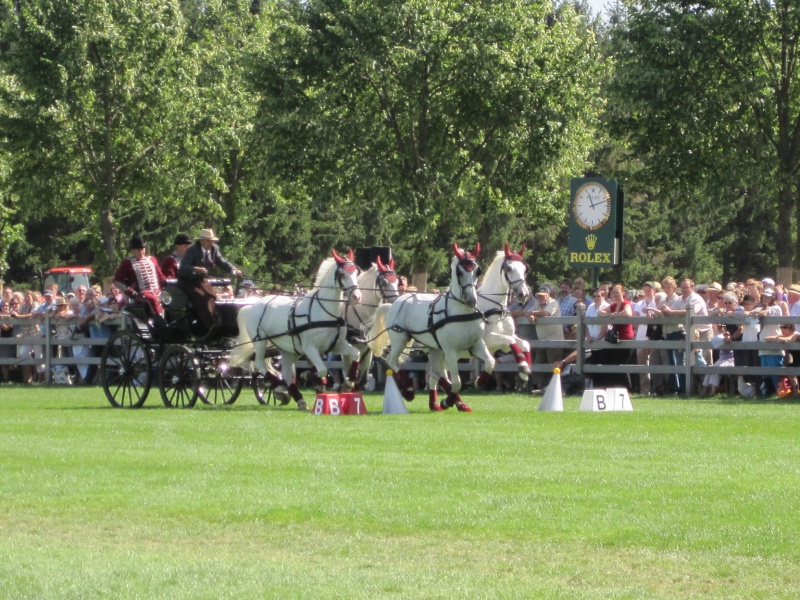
[188, 364]
[172, 352]
[214, 367]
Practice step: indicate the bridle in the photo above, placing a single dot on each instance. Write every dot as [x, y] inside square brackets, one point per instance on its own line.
[466, 265]
[514, 287]
[383, 282]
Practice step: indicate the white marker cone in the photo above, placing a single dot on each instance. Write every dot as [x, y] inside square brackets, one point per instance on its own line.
[552, 400]
[393, 403]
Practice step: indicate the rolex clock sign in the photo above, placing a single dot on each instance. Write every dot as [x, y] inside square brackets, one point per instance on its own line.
[595, 223]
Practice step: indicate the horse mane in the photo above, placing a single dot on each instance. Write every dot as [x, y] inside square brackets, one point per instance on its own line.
[324, 270]
[370, 275]
[492, 279]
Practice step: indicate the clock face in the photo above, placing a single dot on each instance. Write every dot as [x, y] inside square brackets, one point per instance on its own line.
[592, 205]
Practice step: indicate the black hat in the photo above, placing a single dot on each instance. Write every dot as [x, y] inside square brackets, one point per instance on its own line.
[136, 243]
[182, 239]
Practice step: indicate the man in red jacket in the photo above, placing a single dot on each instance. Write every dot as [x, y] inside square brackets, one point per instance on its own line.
[140, 278]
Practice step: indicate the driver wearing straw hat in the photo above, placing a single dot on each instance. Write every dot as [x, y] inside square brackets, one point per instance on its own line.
[201, 257]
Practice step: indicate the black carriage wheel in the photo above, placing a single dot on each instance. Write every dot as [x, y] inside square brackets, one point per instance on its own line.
[261, 389]
[180, 377]
[221, 384]
[125, 368]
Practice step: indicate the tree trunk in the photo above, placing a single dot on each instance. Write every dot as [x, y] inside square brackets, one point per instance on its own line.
[783, 242]
[419, 278]
[109, 238]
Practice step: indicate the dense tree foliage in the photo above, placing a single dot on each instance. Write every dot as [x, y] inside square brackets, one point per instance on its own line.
[708, 103]
[428, 122]
[295, 126]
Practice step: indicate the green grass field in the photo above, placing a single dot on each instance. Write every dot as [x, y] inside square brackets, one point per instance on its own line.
[679, 499]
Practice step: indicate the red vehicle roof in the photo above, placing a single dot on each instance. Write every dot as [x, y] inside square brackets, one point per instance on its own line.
[69, 270]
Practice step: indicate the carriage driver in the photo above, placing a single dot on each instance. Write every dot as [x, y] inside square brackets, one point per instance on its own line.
[140, 277]
[203, 255]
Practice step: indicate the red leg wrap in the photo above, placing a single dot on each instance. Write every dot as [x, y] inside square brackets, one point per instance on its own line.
[433, 403]
[352, 375]
[482, 380]
[294, 392]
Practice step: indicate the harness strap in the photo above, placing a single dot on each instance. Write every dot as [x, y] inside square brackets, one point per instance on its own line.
[434, 325]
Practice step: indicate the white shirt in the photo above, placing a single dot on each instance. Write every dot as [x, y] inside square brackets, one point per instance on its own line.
[638, 311]
[596, 331]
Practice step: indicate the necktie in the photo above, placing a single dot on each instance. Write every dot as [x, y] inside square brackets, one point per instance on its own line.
[208, 257]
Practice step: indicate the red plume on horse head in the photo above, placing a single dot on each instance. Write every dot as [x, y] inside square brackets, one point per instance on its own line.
[515, 255]
[382, 267]
[465, 254]
[340, 260]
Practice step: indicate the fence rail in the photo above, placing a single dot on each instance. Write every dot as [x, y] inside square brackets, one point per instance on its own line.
[580, 346]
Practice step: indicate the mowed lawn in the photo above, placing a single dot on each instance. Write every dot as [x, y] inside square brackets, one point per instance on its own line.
[679, 499]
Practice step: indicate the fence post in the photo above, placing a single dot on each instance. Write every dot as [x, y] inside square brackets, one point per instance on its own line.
[580, 338]
[48, 359]
[688, 351]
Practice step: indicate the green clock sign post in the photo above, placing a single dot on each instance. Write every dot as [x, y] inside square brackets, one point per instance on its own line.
[595, 223]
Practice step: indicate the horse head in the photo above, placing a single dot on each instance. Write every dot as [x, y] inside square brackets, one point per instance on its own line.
[387, 281]
[514, 271]
[465, 273]
[347, 276]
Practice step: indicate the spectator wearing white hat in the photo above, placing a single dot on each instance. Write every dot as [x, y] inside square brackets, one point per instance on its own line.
[193, 272]
[649, 290]
[770, 331]
[713, 299]
[543, 305]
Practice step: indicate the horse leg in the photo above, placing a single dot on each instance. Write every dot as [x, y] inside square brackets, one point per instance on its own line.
[352, 361]
[453, 385]
[435, 376]
[399, 341]
[366, 365]
[315, 358]
[433, 403]
[521, 351]
[287, 371]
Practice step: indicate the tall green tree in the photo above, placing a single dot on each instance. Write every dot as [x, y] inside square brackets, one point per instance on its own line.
[710, 94]
[430, 122]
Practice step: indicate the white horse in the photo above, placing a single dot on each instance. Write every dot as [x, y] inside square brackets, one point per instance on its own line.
[378, 285]
[309, 326]
[445, 324]
[504, 277]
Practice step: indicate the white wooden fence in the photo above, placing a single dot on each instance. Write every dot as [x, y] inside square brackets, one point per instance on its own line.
[686, 346]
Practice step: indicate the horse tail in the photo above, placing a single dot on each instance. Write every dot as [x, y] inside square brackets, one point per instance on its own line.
[244, 344]
[378, 333]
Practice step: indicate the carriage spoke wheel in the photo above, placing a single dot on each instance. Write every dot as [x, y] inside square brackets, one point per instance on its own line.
[261, 389]
[180, 377]
[221, 384]
[125, 370]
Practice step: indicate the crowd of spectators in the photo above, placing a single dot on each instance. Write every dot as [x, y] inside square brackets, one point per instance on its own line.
[85, 313]
[89, 312]
[750, 300]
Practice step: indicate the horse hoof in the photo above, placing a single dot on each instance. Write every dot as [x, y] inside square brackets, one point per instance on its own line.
[281, 395]
[524, 370]
[482, 380]
[523, 377]
[434, 406]
[463, 407]
[301, 405]
[348, 386]
[443, 405]
[408, 395]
